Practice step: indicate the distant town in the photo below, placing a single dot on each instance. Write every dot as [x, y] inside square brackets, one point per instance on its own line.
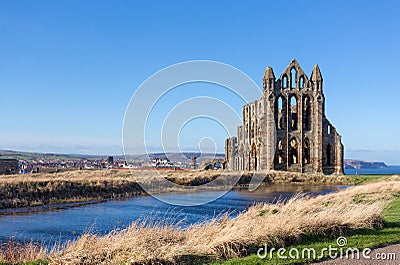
[14, 162]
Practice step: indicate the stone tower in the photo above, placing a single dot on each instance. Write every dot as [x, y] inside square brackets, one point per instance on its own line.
[286, 129]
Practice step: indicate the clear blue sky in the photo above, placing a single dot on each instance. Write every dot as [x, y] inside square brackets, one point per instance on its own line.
[69, 68]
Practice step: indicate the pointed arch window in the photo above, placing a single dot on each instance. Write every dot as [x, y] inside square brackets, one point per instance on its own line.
[280, 105]
[293, 152]
[284, 81]
[293, 77]
[254, 157]
[293, 113]
[301, 82]
[279, 157]
[307, 113]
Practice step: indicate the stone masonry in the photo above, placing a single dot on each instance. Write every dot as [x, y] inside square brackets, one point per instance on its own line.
[286, 129]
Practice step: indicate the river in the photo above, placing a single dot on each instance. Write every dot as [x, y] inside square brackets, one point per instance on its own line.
[58, 226]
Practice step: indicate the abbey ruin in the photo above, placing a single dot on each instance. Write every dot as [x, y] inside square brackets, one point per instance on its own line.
[286, 129]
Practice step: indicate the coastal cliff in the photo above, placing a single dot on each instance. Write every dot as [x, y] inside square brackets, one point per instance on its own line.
[359, 164]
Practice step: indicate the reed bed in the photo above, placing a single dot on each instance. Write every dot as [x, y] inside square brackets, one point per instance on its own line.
[275, 224]
[279, 224]
[85, 185]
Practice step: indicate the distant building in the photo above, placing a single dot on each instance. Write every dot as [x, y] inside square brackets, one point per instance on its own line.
[8, 166]
[194, 163]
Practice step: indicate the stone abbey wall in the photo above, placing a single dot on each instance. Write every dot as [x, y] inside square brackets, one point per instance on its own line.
[286, 129]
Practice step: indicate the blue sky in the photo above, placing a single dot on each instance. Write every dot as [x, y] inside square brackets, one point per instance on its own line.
[69, 68]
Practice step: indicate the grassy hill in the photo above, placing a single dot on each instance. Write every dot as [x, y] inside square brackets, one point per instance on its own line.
[175, 157]
[48, 156]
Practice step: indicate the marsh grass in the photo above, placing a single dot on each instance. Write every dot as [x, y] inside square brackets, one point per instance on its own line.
[358, 238]
[281, 224]
[14, 252]
[86, 185]
[65, 187]
[222, 238]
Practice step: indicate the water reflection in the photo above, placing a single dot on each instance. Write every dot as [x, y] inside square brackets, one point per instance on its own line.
[65, 224]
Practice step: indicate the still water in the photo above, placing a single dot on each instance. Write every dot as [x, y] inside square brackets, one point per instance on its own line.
[57, 226]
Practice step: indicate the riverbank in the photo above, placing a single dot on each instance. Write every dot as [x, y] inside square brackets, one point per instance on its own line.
[58, 226]
[95, 185]
[65, 187]
[360, 238]
[283, 224]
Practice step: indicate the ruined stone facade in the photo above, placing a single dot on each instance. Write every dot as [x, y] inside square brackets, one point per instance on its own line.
[286, 129]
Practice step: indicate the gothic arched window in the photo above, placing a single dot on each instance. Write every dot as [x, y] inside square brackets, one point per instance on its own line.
[293, 76]
[284, 81]
[280, 103]
[293, 113]
[307, 113]
[279, 152]
[280, 106]
[293, 152]
[301, 82]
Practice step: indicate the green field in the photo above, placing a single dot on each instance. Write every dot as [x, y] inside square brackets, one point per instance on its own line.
[28, 156]
[360, 179]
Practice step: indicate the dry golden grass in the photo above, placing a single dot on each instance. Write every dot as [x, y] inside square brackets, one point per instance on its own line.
[183, 176]
[15, 252]
[71, 186]
[275, 224]
[75, 186]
